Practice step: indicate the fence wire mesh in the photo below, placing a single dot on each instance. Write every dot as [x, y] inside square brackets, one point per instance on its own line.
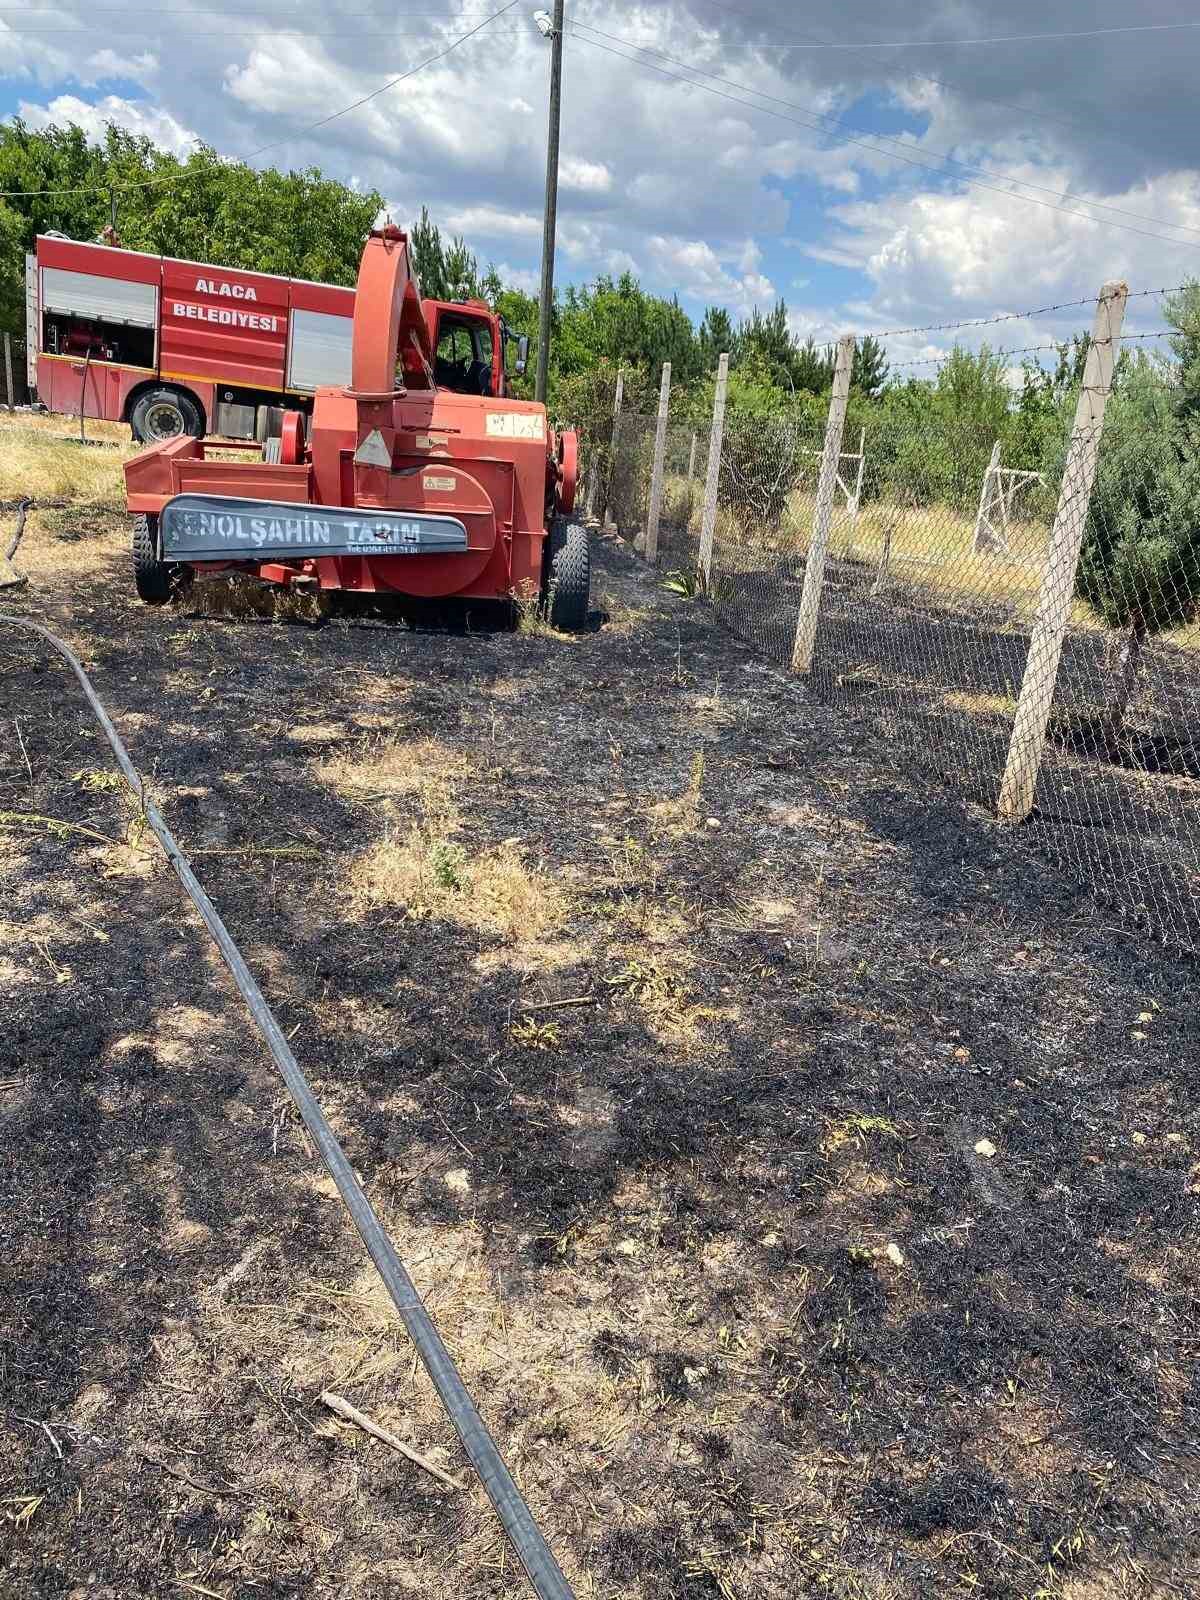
[946, 566]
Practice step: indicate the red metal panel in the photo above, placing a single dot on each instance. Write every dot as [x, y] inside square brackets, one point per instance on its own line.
[60, 383]
[132, 266]
[224, 325]
[327, 297]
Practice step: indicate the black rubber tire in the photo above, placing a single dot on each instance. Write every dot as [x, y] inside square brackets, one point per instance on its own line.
[152, 576]
[568, 586]
[154, 409]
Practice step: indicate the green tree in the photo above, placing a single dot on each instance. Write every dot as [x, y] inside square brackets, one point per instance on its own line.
[715, 337]
[870, 370]
[1139, 567]
[446, 271]
[300, 224]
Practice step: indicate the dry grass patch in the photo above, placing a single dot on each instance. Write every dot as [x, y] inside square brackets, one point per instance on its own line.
[46, 464]
[70, 543]
[424, 769]
[241, 597]
[427, 874]
[981, 704]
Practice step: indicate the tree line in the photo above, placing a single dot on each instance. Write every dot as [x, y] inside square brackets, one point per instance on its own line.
[930, 436]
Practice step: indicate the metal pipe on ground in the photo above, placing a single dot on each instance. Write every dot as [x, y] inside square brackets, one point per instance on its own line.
[534, 1553]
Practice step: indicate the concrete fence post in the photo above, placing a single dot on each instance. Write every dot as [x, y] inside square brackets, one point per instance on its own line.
[692, 458]
[9, 392]
[814, 567]
[613, 447]
[712, 482]
[1058, 581]
[656, 476]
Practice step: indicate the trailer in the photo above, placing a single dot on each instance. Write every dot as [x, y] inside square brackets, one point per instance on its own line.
[178, 347]
[418, 477]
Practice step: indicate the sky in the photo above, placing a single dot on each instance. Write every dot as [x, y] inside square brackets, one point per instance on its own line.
[876, 171]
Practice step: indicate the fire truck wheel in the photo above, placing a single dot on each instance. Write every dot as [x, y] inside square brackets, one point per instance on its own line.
[152, 576]
[568, 575]
[161, 414]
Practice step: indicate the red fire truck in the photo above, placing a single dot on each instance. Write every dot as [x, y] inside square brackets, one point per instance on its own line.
[182, 347]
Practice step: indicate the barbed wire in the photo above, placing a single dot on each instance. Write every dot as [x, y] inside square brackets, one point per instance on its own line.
[1030, 349]
[1014, 316]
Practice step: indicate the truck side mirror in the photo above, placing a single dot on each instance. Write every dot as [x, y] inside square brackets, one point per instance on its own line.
[522, 354]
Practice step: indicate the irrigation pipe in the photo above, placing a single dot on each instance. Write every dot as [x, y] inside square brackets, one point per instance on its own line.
[10, 578]
[535, 1554]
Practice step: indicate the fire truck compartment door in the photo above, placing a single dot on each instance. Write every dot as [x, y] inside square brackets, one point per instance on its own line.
[83, 294]
[320, 353]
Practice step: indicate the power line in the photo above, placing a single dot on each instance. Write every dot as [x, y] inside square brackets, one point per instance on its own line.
[176, 177]
[831, 117]
[217, 11]
[1005, 38]
[240, 33]
[957, 88]
[911, 161]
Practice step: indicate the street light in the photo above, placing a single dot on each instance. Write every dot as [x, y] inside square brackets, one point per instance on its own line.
[552, 29]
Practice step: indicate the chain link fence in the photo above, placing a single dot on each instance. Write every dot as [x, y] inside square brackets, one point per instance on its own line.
[945, 567]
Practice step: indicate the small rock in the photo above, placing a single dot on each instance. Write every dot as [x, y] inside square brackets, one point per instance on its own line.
[770, 1240]
[629, 1247]
[458, 1180]
[1174, 1138]
[1139, 1138]
[985, 1147]
[714, 822]
[1137, 1034]
[895, 1255]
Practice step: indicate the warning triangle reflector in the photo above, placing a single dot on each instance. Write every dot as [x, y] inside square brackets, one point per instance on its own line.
[372, 452]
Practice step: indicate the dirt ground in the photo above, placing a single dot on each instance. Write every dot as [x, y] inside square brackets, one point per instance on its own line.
[842, 1242]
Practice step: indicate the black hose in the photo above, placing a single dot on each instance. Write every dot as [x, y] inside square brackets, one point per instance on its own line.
[535, 1554]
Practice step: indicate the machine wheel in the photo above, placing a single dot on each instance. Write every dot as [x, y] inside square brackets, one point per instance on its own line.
[568, 580]
[155, 579]
[162, 414]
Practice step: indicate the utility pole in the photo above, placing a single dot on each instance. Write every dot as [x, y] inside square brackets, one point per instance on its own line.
[546, 302]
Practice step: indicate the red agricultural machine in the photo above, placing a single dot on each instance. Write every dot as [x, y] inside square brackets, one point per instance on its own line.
[399, 485]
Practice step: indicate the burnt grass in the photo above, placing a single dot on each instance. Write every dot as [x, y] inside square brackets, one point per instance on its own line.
[844, 1352]
[937, 676]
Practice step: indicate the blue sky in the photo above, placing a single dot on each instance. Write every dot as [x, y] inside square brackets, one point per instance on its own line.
[1076, 155]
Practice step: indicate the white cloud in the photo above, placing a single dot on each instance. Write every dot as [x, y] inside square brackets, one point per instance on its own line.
[527, 279]
[135, 116]
[699, 271]
[588, 177]
[489, 222]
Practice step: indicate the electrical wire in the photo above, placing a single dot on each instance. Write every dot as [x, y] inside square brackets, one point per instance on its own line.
[240, 33]
[1004, 38]
[749, 105]
[826, 118]
[958, 88]
[783, 44]
[298, 133]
